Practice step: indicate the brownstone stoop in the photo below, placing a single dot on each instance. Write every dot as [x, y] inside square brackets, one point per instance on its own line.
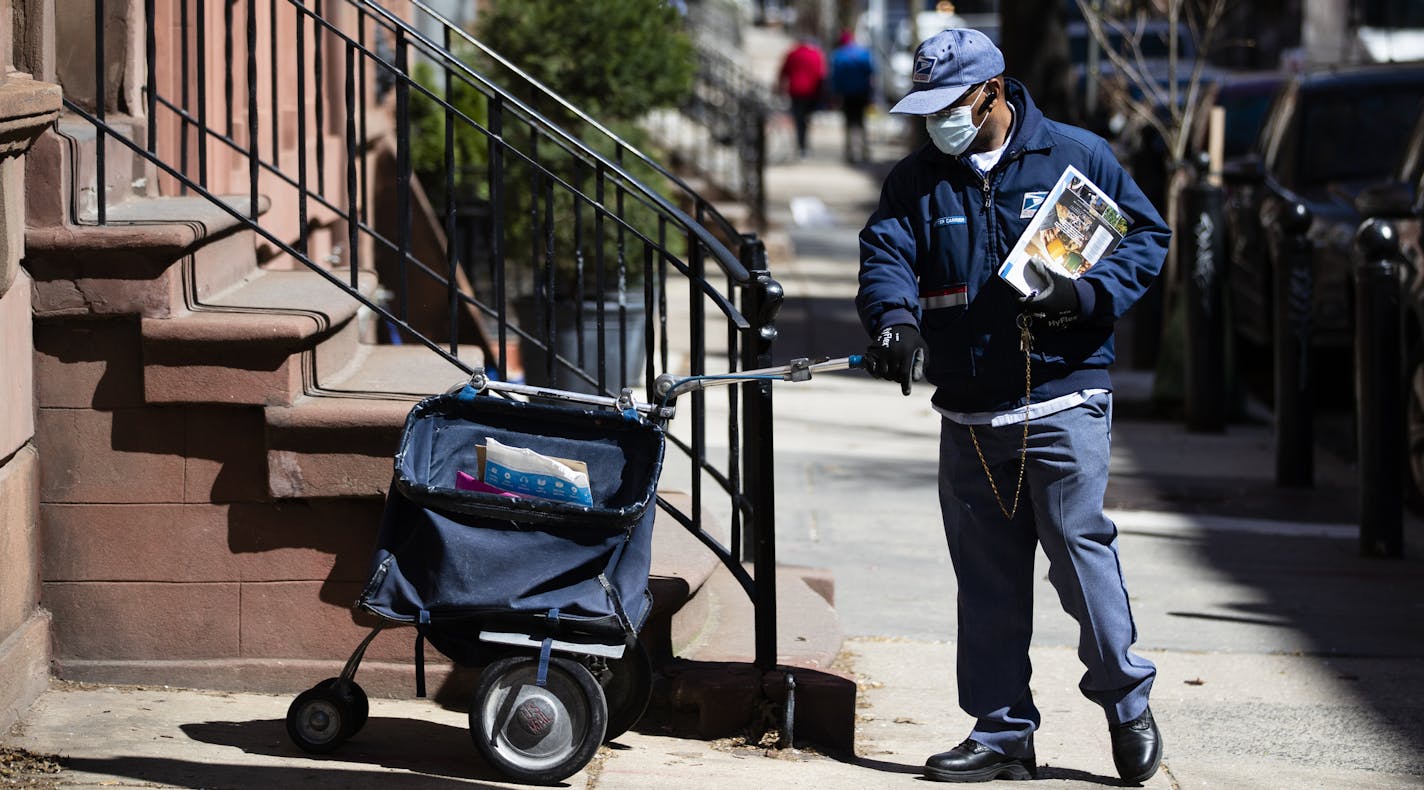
[215, 437]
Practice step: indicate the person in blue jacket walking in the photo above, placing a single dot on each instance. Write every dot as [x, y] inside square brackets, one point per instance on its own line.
[852, 71]
[1023, 389]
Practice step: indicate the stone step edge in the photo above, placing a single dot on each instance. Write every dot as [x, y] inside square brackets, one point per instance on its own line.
[338, 439]
[681, 567]
[677, 553]
[236, 324]
[808, 635]
[147, 224]
[389, 679]
[344, 401]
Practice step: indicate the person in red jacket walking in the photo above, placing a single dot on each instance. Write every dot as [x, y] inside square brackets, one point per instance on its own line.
[802, 73]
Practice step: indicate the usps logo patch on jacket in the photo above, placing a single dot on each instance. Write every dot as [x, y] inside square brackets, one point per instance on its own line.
[924, 67]
[1031, 203]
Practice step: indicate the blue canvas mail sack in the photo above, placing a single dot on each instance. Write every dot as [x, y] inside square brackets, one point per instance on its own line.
[449, 556]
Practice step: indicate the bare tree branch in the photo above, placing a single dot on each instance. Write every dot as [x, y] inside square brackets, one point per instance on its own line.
[1157, 105]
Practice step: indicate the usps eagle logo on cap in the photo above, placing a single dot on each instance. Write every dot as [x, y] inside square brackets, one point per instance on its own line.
[924, 67]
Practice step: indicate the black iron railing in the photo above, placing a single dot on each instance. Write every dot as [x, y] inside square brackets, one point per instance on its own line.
[334, 111]
[720, 130]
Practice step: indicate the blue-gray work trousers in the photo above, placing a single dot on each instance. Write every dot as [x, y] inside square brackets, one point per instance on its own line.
[1061, 509]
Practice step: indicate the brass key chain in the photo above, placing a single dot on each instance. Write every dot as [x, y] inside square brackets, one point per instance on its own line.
[1026, 343]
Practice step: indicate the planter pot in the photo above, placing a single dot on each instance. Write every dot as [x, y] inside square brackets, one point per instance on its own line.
[575, 341]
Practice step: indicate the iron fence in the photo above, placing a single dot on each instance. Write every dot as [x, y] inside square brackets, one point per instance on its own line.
[333, 111]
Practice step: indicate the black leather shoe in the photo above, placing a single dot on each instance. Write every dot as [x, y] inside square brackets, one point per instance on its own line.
[1137, 748]
[972, 761]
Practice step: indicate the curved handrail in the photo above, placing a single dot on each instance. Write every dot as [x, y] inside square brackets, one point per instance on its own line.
[729, 263]
[725, 259]
[725, 224]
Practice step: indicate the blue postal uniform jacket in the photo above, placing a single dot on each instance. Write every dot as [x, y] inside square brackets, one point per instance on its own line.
[931, 252]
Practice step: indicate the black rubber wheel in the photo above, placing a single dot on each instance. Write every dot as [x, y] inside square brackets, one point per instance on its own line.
[324, 716]
[537, 734]
[628, 686]
[360, 705]
[356, 701]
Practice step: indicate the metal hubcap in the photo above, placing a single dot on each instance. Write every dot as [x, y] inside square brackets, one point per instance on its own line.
[536, 716]
[535, 727]
[321, 722]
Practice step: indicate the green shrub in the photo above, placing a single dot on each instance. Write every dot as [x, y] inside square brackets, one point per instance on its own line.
[612, 59]
[427, 118]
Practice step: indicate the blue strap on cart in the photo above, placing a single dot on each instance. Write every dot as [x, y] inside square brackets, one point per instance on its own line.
[542, 676]
[467, 394]
[424, 619]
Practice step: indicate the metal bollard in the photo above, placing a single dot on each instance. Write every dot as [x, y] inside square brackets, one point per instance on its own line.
[1202, 254]
[1292, 289]
[1379, 390]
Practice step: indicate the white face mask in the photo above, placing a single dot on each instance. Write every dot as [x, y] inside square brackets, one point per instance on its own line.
[953, 131]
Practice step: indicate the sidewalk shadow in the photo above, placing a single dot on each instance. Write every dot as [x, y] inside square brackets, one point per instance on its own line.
[435, 754]
[1359, 613]
[169, 772]
[1045, 772]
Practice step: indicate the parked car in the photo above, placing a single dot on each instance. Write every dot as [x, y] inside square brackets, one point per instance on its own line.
[1243, 95]
[1327, 135]
[1114, 92]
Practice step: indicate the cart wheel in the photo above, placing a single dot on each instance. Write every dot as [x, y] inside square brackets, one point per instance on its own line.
[360, 706]
[628, 686]
[532, 733]
[325, 715]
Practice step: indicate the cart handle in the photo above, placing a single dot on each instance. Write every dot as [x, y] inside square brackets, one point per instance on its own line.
[667, 386]
[481, 382]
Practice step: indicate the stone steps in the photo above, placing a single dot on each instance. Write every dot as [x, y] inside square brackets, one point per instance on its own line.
[254, 596]
[160, 256]
[264, 341]
[339, 438]
[715, 689]
[681, 568]
[808, 633]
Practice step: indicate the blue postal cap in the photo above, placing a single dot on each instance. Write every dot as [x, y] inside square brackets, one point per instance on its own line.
[946, 65]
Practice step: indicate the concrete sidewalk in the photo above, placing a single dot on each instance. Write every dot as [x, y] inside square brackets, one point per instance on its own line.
[1285, 661]
[1230, 720]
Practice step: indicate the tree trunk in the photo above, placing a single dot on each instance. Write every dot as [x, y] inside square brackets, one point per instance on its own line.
[1035, 47]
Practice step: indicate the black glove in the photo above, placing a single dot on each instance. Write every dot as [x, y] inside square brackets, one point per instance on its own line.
[1056, 301]
[897, 354]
